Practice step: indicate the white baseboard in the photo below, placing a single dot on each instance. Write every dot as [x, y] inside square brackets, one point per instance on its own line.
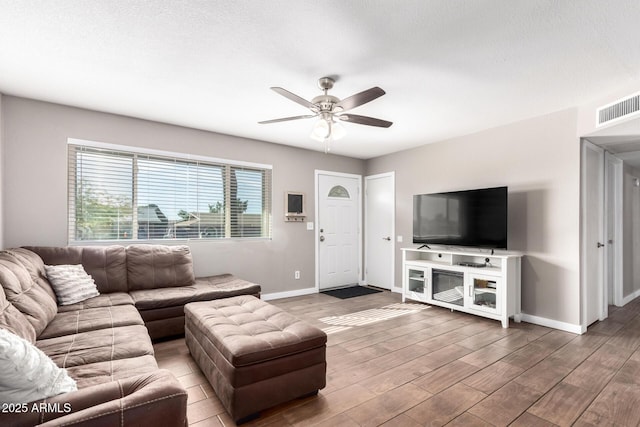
[550, 323]
[289, 294]
[630, 297]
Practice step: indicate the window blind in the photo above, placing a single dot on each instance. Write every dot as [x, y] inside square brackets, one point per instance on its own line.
[174, 197]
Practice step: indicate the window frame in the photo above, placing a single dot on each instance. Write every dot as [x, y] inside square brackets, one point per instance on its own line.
[266, 217]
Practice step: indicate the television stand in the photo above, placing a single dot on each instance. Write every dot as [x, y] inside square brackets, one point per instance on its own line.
[424, 246]
[472, 282]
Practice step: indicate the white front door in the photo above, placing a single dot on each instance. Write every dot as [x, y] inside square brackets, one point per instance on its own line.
[338, 237]
[379, 230]
[593, 233]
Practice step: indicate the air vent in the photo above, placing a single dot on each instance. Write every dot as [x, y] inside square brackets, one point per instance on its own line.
[620, 109]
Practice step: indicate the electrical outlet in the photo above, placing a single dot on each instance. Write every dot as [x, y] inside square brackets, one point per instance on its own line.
[296, 275]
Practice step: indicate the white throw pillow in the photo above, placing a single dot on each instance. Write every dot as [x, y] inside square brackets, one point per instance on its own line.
[71, 283]
[27, 374]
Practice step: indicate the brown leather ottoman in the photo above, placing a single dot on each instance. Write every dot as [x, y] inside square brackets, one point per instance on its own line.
[254, 354]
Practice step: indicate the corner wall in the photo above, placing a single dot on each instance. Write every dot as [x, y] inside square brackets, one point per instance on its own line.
[35, 187]
[539, 160]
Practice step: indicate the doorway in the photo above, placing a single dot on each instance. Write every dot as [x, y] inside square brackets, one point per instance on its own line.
[601, 232]
[338, 242]
[613, 202]
[380, 230]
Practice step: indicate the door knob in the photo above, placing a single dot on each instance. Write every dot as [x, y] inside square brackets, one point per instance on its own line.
[387, 239]
[322, 238]
[600, 245]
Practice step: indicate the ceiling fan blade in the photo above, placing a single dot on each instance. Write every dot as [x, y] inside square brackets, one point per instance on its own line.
[364, 120]
[360, 98]
[284, 119]
[295, 98]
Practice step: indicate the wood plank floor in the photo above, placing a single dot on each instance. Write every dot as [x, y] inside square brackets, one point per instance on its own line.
[436, 367]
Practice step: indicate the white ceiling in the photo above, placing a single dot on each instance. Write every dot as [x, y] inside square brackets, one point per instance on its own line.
[449, 67]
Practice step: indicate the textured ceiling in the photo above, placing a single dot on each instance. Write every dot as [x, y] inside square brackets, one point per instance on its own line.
[449, 67]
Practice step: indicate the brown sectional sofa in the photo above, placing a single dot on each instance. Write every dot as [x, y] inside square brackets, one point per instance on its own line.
[104, 342]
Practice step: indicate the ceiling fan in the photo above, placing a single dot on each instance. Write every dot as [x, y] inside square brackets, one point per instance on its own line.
[331, 110]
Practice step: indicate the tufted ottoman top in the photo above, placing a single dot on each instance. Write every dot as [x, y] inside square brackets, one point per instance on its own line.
[246, 330]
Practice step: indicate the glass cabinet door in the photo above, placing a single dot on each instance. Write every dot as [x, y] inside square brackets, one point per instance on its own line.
[484, 293]
[417, 283]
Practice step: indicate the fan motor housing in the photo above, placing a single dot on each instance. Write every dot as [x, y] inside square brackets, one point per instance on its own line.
[325, 102]
[326, 83]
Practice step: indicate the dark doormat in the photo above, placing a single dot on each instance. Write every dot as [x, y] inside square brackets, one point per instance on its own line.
[350, 292]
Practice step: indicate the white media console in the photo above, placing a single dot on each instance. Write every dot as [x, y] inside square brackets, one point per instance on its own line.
[475, 282]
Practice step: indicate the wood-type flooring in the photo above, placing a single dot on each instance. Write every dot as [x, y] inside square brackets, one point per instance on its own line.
[435, 367]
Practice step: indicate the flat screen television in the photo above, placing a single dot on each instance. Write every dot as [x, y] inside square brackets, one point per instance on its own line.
[476, 218]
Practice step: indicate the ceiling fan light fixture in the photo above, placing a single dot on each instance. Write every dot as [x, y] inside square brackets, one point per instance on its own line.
[337, 131]
[326, 128]
[321, 130]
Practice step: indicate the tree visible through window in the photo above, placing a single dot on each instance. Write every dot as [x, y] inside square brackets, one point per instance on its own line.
[174, 198]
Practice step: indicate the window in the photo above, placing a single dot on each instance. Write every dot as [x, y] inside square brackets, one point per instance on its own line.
[117, 194]
[339, 191]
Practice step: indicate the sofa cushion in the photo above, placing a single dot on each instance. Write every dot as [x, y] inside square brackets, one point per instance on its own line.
[102, 345]
[25, 293]
[35, 266]
[103, 300]
[15, 322]
[27, 374]
[204, 289]
[153, 399]
[91, 319]
[159, 266]
[106, 264]
[103, 372]
[71, 283]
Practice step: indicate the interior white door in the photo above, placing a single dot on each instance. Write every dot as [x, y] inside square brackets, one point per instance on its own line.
[379, 230]
[613, 231]
[593, 233]
[338, 230]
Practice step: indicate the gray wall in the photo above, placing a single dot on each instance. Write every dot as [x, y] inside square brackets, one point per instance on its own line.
[539, 159]
[1, 171]
[35, 187]
[630, 231]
